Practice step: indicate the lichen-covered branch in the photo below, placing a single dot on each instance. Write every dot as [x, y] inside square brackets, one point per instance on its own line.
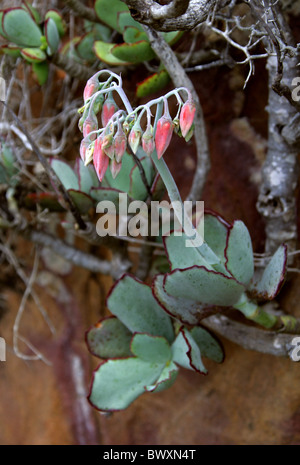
[171, 17]
[114, 268]
[277, 198]
[251, 338]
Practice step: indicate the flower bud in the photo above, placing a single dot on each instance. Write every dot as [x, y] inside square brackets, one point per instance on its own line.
[115, 168]
[163, 135]
[100, 159]
[108, 110]
[85, 143]
[135, 137]
[187, 117]
[148, 140]
[90, 124]
[91, 87]
[120, 143]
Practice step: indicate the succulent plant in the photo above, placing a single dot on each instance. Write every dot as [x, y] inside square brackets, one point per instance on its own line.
[141, 348]
[28, 37]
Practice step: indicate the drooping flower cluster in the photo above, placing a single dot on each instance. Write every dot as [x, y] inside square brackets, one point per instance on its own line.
[105, 146]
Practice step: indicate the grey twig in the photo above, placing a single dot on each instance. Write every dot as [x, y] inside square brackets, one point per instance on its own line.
[75, 70]
[114, 268]
[251, 338]
[180, 78]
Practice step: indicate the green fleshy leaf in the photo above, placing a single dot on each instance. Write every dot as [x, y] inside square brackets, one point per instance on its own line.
[19, 27]
[100, 31]
[52, 35]
[154, 83]
[185, 310]
[11, 50]
[132, 34]
[133, 303]
[85, 177]
[58, 19]
[204, 286]
[41, 71]
[186, 352]
[106, 193]
[108, 10]
[151, 348]
[208, 345]
[45, 200]
[103, 52]
[122, 181]
[126, 20]
[215, 234]
[33, 55]
[33, 11]
[65, 174]
[172, 37]
[8, 167]
[272, 279]
[85, 46]
[133, 53]
[1, 30]
[117, 383]
[179, 255]
[109, 339]
[83, 201]
[239, 253]
[166, 380]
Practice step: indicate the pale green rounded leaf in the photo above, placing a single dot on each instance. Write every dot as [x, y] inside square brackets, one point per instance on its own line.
[33, 55]
[185, 310]
[136, 52]
[133, 303]
[103, 52]
[151, 348]
[204, 286]
[208, 345]
[65, 174]
[166, 380]
[109, 339]
[52, 35]
[186, 352]
[20, 28]
[117, 383]
[272, 279]
[239, 253]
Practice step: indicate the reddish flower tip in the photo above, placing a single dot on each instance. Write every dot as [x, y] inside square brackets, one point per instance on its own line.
[100, 159]
[186, 118]
[163, 135]
[108, 110]
[91, 87]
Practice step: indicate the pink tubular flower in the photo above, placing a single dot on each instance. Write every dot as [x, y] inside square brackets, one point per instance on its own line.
[148, 140]
[115, 168]
[91, 87]
[120, 143]
[100, 159]
[108, 110]
[90, 124]
[187, 117]
[163, 135]
[84, 145]
[135, 137]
